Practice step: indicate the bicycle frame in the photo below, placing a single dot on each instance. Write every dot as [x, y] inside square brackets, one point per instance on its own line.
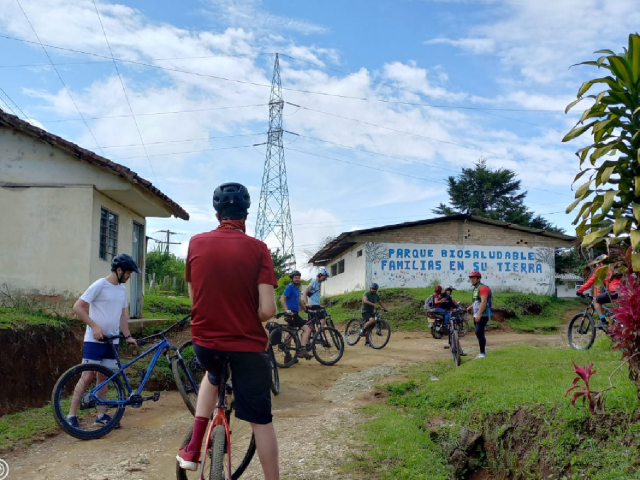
[158, 349]
[219, 418]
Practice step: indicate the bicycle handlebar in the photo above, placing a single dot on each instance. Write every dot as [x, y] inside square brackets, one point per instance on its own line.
[144, 340]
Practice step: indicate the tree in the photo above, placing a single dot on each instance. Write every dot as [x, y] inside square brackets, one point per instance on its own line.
[568, 260]
[493, 194]
[611, 197]
[163, 265]
[281, 263]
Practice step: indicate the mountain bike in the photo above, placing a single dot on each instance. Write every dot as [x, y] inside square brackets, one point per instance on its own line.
[582, 328]
[378, 335]
[439, 328]
[225, 434]
[326, 343]
[99, 391]
[328, 321]
[188, 374]
[454, 340]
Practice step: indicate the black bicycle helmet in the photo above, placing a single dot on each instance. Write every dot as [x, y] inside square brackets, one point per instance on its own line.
[375, 286]
[124, 262]
[231, 201]
[295, 273]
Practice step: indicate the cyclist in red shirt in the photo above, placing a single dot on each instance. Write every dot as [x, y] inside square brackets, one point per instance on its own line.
[231, 284]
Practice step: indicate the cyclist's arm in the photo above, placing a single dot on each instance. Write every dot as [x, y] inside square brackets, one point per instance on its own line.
[81, 309]
[124, 326]
[283, 303]
[366, 301]
[266, 302]
[190, 290]
[587, 284]
[384, 307]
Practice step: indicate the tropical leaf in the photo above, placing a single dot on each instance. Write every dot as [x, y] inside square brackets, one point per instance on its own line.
[599, 152]
[635, 262]
[636, 211]
[583, 189]
[634, 57]
[635, 239]
[597, 235]
[576, 132]
[606, 50]
[573, 104]
[620, 225]
[621, 69]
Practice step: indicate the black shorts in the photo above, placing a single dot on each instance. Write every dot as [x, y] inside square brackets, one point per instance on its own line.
[367, 316]
[250, 378]
[316, 311]
[295, 320]
[606, 297]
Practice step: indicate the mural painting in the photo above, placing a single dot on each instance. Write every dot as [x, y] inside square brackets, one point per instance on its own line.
[520, 269]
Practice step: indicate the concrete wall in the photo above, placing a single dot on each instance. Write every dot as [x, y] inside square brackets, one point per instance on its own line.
[536, 251]
[354, 274]
[100, 268]
[45, 238]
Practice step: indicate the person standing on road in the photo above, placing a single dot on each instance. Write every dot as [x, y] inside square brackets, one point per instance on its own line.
[312, 294]
[481, 306]
[104, 308]
[368, 309]
[231, 280]
[292, 303]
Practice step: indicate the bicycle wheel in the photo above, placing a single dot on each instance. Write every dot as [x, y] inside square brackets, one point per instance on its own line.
[380, 334]
[581, 332]
[352, 332]
[454, 346]
[275, 376]
[463, 327]
[328, 346]
[243, 448]
[217, 456]
[285, 344]
[77, 388]
[187, 373]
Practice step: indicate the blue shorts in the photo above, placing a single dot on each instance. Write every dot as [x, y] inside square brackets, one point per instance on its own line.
[100, 352]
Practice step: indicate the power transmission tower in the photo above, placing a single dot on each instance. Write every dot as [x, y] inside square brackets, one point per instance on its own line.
[274, 215]
[167, 242]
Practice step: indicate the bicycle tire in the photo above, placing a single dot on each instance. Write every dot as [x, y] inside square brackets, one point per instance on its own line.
[285, 344]
[61, 391]
[275, 376]
[581, 335]
[352, 331]
[454, 346]
[381, 331]
[239, 469]
[186, 387]
[324, 342]
[217, 455]
[463, 327]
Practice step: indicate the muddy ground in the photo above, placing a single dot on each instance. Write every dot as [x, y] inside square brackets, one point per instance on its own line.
[314, 415]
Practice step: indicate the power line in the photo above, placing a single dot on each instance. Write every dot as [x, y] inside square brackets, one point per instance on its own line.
[155, 113]
[397, 158]
[14, 103]
[4, 102]
[188, 140]
[190, 151]
[311, 92]
[58, 74]
[135, 121]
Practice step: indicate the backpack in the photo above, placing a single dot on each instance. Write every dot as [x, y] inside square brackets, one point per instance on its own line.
[428, 303]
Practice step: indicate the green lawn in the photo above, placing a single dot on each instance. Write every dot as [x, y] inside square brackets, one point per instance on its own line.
[19, 318]
[24, 427]
[482, 394]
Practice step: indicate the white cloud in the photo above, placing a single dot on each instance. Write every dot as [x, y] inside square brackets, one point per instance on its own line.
[474, 45]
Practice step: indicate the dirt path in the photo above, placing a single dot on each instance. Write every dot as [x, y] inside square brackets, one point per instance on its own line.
[144, 447]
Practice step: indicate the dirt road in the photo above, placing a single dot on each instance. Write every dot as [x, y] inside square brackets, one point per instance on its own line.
[315, 405]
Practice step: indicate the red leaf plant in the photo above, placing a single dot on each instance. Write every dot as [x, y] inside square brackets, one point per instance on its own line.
[595, 398]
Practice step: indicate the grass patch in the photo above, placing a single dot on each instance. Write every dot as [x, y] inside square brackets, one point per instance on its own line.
[161, 306]
[525, 313]
[482, 396]
[19, 429]
[22, 317]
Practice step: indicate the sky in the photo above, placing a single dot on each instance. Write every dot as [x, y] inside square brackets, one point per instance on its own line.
[385, 99]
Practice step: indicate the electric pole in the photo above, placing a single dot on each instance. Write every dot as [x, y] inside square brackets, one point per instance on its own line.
[274, 215]
[167, 242]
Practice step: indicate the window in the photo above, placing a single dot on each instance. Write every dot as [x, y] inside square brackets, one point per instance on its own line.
[334, 269]
[341, 266]
[358, 253]
[108, 234]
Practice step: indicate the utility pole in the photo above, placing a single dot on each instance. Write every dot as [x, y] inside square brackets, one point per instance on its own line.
[274, 215]
[167, 242]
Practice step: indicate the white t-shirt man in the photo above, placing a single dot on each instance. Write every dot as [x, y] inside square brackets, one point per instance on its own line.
[106, 302]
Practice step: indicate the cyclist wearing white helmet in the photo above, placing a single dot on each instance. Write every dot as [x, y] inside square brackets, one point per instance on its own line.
[312, 294]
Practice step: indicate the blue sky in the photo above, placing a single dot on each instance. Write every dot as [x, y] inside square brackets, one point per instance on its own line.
[474, 78]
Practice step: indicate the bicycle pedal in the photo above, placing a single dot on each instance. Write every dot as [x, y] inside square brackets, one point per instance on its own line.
[156, 396]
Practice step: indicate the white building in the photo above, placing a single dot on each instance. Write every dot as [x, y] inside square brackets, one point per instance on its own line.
[443, 250]
[65, 211]
[567, 284]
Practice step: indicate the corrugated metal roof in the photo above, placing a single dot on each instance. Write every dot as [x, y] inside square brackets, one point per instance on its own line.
[341, 243]
[11, 121]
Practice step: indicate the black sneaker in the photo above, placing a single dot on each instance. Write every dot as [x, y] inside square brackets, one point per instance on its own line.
[367, 344]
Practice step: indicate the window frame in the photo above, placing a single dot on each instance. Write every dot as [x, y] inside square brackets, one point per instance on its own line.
[108, 234]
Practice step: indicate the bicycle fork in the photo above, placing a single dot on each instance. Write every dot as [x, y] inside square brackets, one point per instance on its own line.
[219, 418]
